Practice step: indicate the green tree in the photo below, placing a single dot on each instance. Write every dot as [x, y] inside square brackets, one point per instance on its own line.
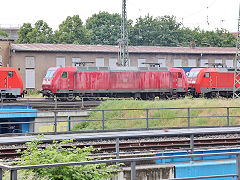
[55, 153]
[41, 33]
[23, 33]
[71, 31]
[145, 31]
[3, 33]
[104, 28]
[161, 31]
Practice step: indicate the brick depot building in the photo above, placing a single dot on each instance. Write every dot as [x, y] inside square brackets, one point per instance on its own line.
[33, 60]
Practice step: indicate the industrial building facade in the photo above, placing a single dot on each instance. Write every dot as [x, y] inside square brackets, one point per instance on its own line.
[33, 60]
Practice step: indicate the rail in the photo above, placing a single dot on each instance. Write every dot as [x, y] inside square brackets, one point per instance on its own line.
[14, 169]
[130, 119]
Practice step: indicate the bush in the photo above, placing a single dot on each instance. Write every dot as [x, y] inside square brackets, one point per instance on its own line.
[55, 153]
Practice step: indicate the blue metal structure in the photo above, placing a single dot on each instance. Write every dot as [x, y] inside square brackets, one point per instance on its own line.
[14, 119]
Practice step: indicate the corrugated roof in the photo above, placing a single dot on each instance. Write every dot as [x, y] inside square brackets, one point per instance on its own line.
[115, 49]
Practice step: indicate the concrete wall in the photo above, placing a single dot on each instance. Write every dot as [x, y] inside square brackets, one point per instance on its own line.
[44, 122]
[150, 172]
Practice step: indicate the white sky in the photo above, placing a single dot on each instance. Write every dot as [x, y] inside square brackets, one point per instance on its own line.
[207, 14]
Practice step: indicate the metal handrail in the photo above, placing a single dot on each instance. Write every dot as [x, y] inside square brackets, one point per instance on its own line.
[133, 161]
[144, 116]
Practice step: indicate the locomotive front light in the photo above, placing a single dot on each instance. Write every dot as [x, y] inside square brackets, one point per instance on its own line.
[47, 81]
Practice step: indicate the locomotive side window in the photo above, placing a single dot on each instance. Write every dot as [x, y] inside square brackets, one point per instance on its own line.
[64, 75]
[179, 75]
[207, 74]
[10, 73]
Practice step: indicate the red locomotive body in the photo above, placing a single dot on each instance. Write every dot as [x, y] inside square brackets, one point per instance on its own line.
[11, 85]
[212, 82]
[143, 82]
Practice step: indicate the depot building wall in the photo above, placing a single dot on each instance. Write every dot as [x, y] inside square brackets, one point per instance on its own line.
[33, 66]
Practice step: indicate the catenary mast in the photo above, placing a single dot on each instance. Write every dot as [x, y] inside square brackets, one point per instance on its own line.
[236, 87]
[123, 42]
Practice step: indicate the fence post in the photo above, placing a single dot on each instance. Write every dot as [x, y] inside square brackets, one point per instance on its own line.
[238, 166]
[2, 101]
[102, 119]
[1, 174]
[147, 124]
[69, 123]
[227, 116]
[13, 175]
[82, 103]
[133, 170]
[188, 117]
[55, 103]
[192, 145]
[55, 122]
[117, 148]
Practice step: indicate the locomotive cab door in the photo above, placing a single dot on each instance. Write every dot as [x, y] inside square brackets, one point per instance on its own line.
[179, 79]
[66, 80]
[3, 79]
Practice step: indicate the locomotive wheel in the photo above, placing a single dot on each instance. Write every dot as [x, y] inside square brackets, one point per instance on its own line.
[70, 97]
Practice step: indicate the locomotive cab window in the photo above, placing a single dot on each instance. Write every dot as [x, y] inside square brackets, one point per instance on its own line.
[179, 75]
[10, 73]
[64, 75]
[207, 75]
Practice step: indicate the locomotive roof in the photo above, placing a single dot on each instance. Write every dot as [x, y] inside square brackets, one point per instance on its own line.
[219, 69]
[80, 68]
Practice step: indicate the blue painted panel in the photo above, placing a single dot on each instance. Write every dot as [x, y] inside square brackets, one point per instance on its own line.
[188, 69]
[206, 169]
[197, 158]
[17, 112]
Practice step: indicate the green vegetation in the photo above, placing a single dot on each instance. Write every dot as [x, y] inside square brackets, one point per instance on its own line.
[32, 93]
[55, 153]
[104, 28]
[162, 117]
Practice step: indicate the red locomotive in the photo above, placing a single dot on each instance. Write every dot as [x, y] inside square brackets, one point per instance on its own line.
[141, 83]
[11, 85]
[211, 82]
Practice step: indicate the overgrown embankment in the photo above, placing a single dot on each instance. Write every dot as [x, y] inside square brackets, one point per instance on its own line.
[163, 117]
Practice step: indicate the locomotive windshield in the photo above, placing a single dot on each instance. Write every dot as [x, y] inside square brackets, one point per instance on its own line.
[193, 73]
[50, 73]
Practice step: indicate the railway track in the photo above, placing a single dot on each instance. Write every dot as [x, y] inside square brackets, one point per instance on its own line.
[139, 146]
[45, 104]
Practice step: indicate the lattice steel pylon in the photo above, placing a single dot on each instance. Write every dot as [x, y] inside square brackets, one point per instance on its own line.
[123, 42]
[236, 86]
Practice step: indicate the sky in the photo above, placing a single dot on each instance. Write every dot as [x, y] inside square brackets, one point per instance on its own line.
[206, 14]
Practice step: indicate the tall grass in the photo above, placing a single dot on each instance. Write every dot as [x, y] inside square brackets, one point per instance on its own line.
[162, 117]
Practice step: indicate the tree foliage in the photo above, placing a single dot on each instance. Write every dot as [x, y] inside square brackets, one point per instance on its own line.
[71, 31]
[3, 33]
[55, 153]
[40, 33]
[105, 28]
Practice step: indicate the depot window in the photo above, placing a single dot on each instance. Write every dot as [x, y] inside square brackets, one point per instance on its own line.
[64, 75]
[207, 75]
[10, 73]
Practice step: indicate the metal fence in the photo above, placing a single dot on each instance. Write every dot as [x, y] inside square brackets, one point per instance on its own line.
[147, 118]
[14, 169]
